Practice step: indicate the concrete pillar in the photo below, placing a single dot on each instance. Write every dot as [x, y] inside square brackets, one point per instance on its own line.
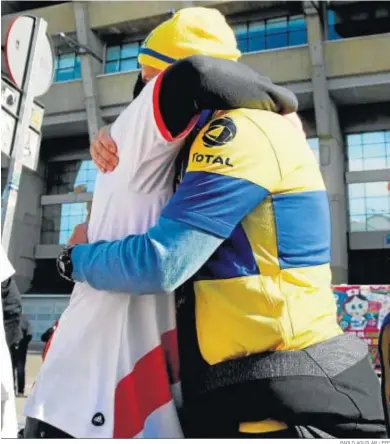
[90, 67]
[332, 160]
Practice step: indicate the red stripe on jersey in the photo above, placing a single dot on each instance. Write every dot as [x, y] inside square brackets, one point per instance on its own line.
[170, 346]
[140, 393]
[48, 343]
[159, 119]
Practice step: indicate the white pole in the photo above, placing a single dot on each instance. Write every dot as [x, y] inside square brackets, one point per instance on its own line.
[22, 129]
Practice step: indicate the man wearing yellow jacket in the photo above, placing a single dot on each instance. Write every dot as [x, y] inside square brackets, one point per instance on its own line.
[245, 242]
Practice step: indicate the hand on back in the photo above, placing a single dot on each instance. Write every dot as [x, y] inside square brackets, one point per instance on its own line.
[104, 151]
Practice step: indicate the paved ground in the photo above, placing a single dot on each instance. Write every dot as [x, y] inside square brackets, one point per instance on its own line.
[34, 360]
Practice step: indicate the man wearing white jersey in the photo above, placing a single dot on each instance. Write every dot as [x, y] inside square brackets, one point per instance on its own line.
[105, 373]
[8, 410]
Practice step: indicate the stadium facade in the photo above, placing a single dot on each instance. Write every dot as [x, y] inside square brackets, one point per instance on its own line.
[333, 55]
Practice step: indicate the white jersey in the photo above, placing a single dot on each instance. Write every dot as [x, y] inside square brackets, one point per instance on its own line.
[8, 410]
[105, 372]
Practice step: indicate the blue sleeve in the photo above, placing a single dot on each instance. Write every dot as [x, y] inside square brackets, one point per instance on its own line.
[214, 203]
[156, 262]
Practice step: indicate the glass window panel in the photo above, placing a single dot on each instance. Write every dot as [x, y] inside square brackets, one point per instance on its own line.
[369, 146]
[77, 72]
[387, 136]
[242, 45]
[355, 151]
[111, 67]
[378, 222]
[256, 44]
[377, 205]
[113, 53]
[65, 209]
[258, 27]
[313, 143]
[356, 190]
[75, 209]
[356, 165]
[375, 163]
[354, 139]
[63, 177]
[87, 165]
[357, 223]
[64, 237]
[298, 38]
[357, 206]
[373, 137]
[297, 22]
[67, 61]
[374, 150]
[129, 50]
[277, 25]
[74, 220]
[44, 316]
[332, 34]
[331, 17]
[256, 30]
[276, 41]
[240, 30]
[129, 64]
[64, 75]
[81, 178]
[376, 189]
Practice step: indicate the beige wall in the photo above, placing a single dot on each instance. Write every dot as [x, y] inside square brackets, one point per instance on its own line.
[108, 13]
[359, 55]
[111, 13]
[64, 97]
[60, 18]
[281, 65]
[116, 89]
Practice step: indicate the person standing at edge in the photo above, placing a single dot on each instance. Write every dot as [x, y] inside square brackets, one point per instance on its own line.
[19, 360]
[9, 427]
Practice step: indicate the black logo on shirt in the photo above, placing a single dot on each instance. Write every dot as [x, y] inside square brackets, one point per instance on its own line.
[98, 419]
[220, 132]
[210, 159]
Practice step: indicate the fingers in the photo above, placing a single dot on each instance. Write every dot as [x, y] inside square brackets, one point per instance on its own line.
[106, 140]
[104, 152]
[104, 159]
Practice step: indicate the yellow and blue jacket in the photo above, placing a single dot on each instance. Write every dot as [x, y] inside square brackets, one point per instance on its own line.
[267, 287]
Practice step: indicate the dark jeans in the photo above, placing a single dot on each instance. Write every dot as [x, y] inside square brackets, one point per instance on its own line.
[36, 429]
[19, 357]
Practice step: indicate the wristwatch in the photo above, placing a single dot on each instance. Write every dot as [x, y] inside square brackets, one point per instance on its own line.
[64, 263]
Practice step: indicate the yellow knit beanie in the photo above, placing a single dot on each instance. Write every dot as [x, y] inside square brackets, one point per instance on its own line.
[190, 31]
